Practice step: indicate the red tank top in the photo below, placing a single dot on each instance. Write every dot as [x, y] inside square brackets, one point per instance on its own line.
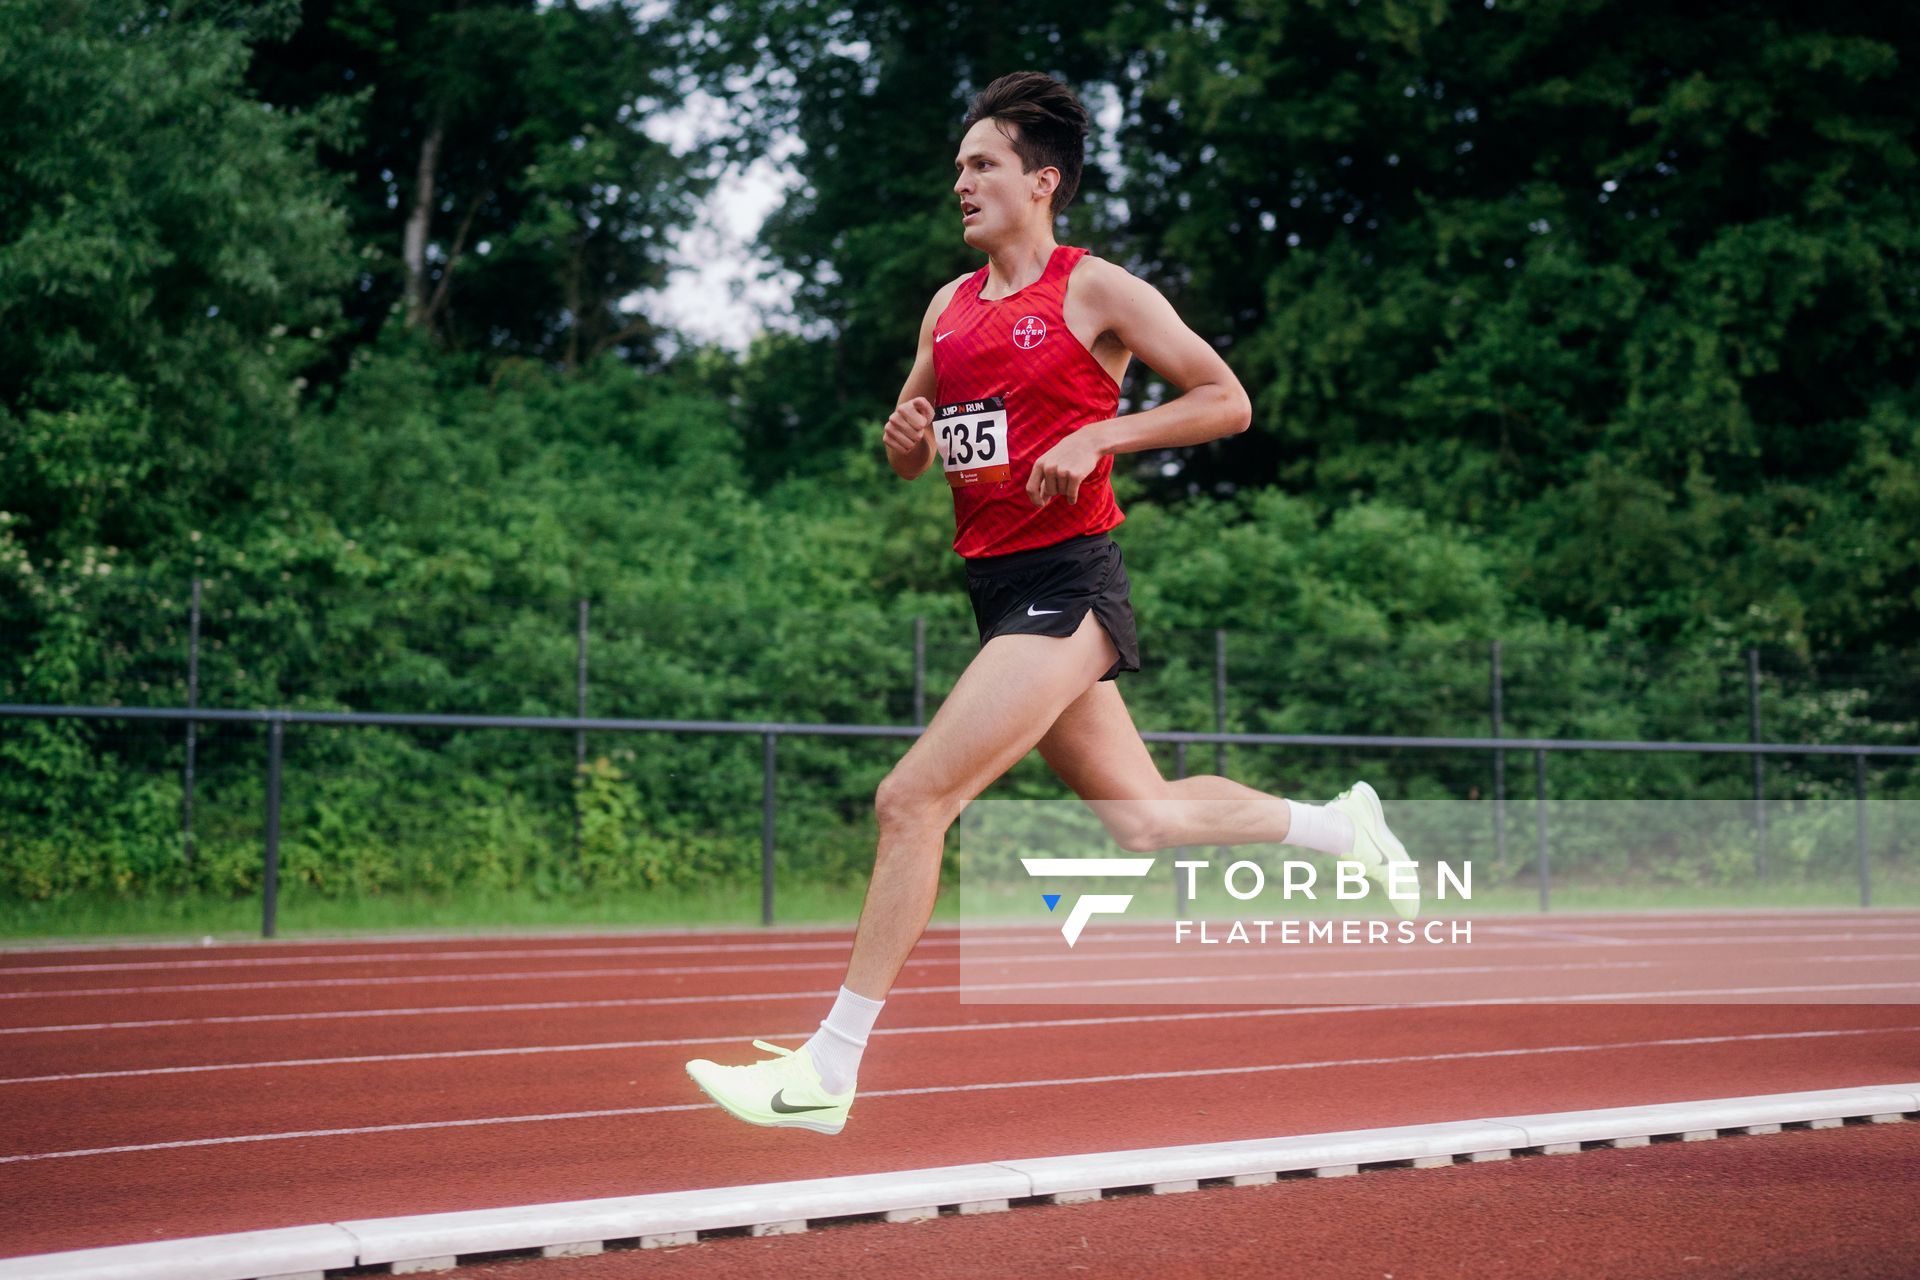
[1012, 381]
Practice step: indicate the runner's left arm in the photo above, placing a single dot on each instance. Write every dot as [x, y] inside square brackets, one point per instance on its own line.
[1212, 402]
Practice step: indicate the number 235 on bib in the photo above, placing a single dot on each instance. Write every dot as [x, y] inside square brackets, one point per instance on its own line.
[972, 439]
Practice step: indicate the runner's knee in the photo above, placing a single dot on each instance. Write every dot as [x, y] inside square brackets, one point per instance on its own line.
[1139, 835]
[904, 801]
[1139, 827]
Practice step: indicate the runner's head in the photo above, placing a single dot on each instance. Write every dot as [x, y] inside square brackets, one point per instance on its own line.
[1020, 161]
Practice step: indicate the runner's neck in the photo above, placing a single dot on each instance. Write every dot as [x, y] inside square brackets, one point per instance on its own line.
[1015, 267]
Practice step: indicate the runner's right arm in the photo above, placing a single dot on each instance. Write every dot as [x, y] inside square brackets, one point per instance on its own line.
[909, 435]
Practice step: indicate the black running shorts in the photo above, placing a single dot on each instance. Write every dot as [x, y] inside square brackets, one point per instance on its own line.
[1048, 592]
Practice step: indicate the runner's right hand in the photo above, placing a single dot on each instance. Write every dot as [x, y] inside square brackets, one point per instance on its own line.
[908, 425]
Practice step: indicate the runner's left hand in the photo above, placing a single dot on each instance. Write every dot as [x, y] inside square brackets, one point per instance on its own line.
[1057, 473]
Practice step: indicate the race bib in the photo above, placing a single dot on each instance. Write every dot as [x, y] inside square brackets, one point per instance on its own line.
[972, 439]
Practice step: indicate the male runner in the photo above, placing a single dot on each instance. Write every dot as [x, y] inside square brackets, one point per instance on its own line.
[1013, 391]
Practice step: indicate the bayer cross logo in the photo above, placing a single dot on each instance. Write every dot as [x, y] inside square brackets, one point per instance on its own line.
[1092, 904]
[1027, 332]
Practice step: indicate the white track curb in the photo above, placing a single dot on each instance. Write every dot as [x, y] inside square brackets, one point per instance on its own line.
[436, 1241]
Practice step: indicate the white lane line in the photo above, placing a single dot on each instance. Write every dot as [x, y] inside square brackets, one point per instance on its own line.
[1051, 955]
[749, 935]
[1594, 939]
[1072, 984]
[530, 975]
[415, 957]
[1896, 918]
[995, 964]
[682, 1042]
[940, 936]
[400, 935]
[1158, 980]
[926, 1090]
[1611, 997]
[995, 958]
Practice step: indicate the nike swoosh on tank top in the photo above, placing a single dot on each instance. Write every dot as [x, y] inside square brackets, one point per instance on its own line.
[1014, 356]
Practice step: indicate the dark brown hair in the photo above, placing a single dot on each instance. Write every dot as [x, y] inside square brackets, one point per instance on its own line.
[1050, 125]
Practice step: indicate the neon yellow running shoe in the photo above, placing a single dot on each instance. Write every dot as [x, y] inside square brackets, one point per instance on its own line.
[1375, 847]
[783, 1090]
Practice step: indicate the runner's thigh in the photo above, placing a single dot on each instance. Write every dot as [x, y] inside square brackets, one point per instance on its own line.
[1095, 749]
[1014, 688]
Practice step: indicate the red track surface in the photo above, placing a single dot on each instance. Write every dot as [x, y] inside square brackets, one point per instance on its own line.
[217, 1142]
[1833, 1205]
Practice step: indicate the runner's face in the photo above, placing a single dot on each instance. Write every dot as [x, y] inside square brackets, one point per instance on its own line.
[997, 200]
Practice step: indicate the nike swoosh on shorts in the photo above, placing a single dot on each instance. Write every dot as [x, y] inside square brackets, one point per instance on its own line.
[1036, 613]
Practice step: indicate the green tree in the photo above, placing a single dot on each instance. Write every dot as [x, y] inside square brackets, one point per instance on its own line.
[1630, 287]
[503, 188]
[874, 93]
[1624, 283]
[169, 253]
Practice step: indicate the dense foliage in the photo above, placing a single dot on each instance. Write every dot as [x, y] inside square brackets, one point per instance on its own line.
[1589, 328]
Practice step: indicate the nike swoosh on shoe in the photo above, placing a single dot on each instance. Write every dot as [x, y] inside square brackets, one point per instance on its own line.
[781, 1106]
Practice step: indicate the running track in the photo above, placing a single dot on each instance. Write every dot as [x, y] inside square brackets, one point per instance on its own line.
[151, 1093]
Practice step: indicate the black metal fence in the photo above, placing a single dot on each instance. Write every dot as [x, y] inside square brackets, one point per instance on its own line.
[435, 807]
[770, 733]
[221, 643]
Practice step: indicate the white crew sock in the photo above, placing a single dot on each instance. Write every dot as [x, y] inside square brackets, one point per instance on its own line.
[1316, 827]
[836, 1047]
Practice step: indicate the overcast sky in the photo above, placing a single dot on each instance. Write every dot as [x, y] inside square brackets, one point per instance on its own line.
[717, 292]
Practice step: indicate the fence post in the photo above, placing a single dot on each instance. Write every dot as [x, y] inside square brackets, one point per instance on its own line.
[193, 704]
[579, 735]
[270, 882]
[1179, 894]
[1219, 699]
[1860, 827]
[1759, 763]
[1499, 767]
[1540, 824]
[920, 670]
[766, 827]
